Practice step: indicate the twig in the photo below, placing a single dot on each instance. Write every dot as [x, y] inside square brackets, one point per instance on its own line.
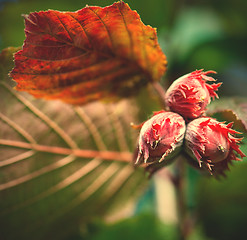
[161, 92]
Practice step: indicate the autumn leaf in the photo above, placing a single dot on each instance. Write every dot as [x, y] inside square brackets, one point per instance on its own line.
[94, 53]
[60, 165]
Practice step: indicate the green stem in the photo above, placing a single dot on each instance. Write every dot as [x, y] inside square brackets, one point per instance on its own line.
[181, 199]
[160, 91]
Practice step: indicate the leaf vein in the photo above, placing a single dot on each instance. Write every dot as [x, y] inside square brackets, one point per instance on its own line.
[64, 26]
[83, 28]
[91, 127]
[106, 28]
[130, 38]
[68, 181]
[61, 163]
[56, 60]
[105, 61]
[49, 122]
[82, 153]
[17, 128]
[17, 158]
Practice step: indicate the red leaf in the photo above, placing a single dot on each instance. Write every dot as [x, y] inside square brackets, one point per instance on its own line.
[90, 54]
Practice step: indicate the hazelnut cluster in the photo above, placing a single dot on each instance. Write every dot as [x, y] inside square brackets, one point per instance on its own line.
[206, 143]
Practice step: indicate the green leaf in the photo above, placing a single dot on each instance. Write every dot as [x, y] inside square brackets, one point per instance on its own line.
[231, 109]
[62, 165]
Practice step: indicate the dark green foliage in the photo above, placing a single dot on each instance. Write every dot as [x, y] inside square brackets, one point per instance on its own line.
[221, 205]
[141, 227]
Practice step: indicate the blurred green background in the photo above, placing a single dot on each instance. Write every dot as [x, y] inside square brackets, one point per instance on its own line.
[193, 34]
